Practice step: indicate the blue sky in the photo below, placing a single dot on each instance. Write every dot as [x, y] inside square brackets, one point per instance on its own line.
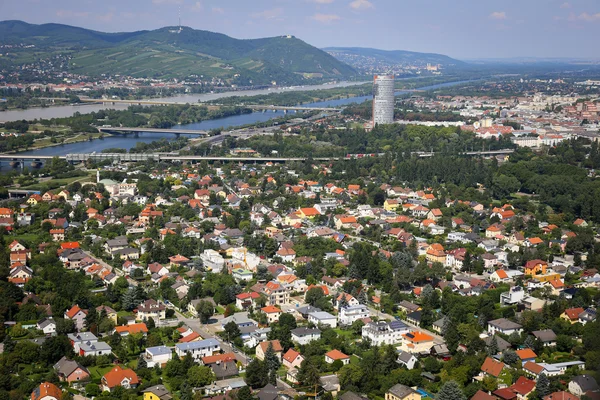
[459, 28]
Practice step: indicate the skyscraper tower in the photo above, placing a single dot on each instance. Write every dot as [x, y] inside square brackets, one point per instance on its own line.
[383, 99]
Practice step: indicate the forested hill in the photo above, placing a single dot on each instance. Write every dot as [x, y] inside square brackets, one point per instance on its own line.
[359, 56]
[170, 52]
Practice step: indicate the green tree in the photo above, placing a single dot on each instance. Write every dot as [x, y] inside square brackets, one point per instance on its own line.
[272, 364]
[450, 391]
[199, 376]
[205, 310]
[308, 374]
[257, 374]
[542, 386]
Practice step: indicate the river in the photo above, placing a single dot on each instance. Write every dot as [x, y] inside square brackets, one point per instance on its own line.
[69, 110]
[129, 141]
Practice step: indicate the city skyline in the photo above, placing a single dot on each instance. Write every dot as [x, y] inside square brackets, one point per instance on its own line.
[463, 29]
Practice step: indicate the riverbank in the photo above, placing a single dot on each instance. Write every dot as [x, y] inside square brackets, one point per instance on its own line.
[46, 142]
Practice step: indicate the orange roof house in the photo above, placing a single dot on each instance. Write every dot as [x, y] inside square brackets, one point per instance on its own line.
[436, 253]
[526, 354]
[572, 314]
[492, 367]
[308, 212]
[118, 376]
[46, 391]
[335, 355]
[535, 267]
[131, 329]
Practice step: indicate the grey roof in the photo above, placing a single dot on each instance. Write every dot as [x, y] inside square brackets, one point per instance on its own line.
[546, 335]
[351, 396]
[320, 315]
[158, 350]
[504, 323]
[94, 346]
[45, 322]
[238, 318]
[330, 382]
[224, 369]
[400, 391]
[307, 309]
[197, 345]
[502, 344]
[160, 391]
[305, 331]
[405, 356]
[408, 305]
[585, 382]
[65, 367]
[82, 337]
[440, 322]
[269, 392]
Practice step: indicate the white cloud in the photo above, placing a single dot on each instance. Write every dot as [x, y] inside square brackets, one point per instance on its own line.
[108, 17]
[566, 4]
[273, 13]
[72, 14]
[589, 17]
[325, 18]
[218, 10]
[499, 15]
[361, 4]
[197, 6]
[321, 1]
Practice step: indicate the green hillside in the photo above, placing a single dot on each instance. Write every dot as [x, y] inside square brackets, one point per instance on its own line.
[358, 56]
[168, 52]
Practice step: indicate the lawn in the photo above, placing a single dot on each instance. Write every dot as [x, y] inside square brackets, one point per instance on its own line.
[99, 372]
[343, 333]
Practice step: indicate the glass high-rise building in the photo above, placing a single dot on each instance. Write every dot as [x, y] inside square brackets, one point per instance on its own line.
[383, 99]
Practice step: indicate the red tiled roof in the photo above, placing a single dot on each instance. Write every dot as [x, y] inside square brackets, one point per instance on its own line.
[115, 376]
[46, 389]
[492, 367]
[336, 355]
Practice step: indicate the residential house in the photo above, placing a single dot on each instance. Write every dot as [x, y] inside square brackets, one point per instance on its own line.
[492, 367]
[47, 325]
[322, 318]
[582, 384]
[71, 371]
[304, 336]
[417, 342]
[118, 376]
[261, 349]
[151, 309]
[157, 355]
[402, 392]
[273, 313]
[407, 359]
[46, 391]
[292, 359]
[334, 355]
[241, 319]
[381, 333]
[347, 315]
[504, 326]
[546, 336]
[77, 315]
[198, 349]
[157, 392]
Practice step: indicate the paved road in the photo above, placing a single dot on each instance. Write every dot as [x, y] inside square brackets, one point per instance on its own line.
[195, 325]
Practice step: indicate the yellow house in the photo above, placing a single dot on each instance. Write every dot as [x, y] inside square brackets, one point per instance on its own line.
[157, 392]
[34, 199]
[308, 212]
[400, 392]
[391, 204]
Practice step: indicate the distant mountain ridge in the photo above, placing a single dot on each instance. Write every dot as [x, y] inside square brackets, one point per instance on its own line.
[358, 56]
[171, 52]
